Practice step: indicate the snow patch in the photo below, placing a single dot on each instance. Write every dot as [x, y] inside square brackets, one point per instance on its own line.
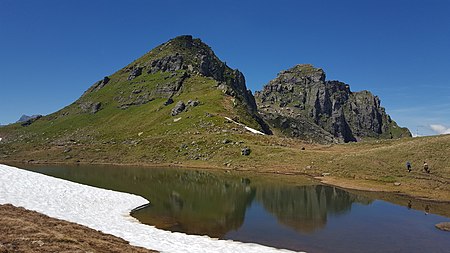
[104, 210]
[246, 127]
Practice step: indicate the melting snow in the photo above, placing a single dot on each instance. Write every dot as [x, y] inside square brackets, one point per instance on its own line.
[246, 127]
[104, 210]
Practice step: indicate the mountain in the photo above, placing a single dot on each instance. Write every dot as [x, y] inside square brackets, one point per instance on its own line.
[156, 108]
[180, 102]
[25, 118]
[300, 103]
[181, 66]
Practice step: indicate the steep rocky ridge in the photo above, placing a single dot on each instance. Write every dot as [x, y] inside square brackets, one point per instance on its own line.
[302, 103]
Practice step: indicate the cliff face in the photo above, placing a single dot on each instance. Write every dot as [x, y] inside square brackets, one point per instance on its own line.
[301, 103]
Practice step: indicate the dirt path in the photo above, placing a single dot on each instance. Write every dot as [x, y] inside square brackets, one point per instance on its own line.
[22, 230]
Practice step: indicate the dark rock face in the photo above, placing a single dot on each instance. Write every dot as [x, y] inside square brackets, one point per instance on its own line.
[303, 104]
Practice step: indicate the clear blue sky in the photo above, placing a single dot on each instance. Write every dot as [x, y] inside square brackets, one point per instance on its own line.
[52, 51]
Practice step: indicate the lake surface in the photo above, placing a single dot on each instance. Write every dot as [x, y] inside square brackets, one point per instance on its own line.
[274, 210]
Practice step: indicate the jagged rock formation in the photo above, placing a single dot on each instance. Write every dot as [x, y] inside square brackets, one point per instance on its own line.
[301, 103]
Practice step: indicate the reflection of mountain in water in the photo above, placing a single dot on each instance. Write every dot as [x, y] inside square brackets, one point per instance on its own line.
[196, 202]
[305, 208]
[189, 201]
[199, 202]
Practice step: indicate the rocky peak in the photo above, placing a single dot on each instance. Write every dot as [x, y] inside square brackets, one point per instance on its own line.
[163, 71]
[302, 97]
[184, 53]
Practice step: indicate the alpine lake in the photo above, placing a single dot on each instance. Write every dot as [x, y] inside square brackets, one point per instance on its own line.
[289, 212]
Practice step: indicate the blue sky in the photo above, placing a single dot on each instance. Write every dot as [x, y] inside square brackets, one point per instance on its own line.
[52, 51]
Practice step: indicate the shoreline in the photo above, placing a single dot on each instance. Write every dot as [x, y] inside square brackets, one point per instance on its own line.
[106, 211]
[344, 183]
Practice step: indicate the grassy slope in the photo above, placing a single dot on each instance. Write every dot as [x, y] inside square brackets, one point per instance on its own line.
[369, 165]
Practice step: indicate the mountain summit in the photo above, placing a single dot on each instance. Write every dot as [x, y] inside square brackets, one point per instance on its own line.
[301, 103]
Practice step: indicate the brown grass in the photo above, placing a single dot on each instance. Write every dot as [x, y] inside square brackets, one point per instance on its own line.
[22, 230]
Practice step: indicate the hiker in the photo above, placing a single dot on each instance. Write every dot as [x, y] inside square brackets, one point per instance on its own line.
[408, 166]
[425, 167]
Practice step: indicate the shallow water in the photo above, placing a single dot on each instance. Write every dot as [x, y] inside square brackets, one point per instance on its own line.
[269, 210]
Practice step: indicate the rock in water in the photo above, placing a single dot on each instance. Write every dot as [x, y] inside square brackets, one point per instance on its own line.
[301, 103]
[444, 226]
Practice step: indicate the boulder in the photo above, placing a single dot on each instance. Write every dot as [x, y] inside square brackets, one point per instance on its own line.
[245, 151]
[179, 108]
[193, 103]
[168, 102]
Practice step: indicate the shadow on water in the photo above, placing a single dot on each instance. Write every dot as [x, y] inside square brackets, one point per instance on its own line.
[265, 210]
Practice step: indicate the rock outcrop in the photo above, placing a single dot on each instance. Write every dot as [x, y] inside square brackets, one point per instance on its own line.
[192, 57]
[301, 103]
[90, 107]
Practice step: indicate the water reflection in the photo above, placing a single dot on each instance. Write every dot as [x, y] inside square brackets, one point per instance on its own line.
[306, 208]
[207, 203]
[202, 203]
[196, 202]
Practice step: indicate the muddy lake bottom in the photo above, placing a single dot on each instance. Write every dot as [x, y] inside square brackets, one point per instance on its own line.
[301, 215]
